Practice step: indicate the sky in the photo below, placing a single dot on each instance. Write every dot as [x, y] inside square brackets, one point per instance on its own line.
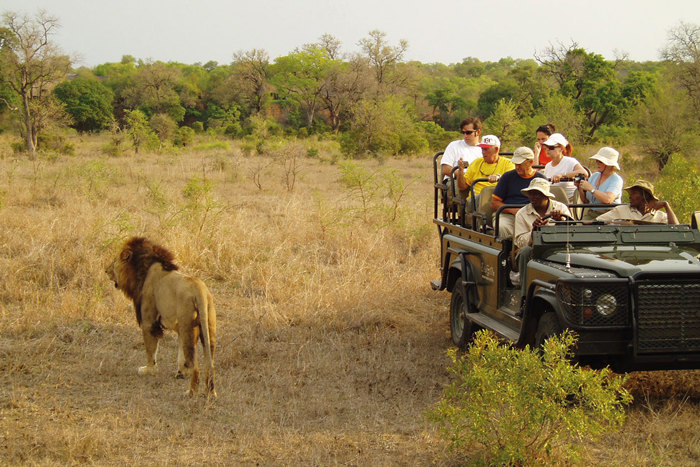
[443, 31]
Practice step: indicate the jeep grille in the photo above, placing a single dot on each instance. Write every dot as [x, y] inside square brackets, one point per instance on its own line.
[668, 316]
[579, 302]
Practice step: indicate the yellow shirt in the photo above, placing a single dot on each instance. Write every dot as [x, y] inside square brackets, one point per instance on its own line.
[480, 169]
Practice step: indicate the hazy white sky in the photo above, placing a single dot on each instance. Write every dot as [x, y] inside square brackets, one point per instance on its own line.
[446, 31]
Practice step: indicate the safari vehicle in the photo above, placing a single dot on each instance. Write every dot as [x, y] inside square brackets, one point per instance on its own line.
[631, 292]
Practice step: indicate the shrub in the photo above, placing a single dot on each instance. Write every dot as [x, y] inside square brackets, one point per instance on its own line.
[520, 407]
[183, 136]
[680, 186]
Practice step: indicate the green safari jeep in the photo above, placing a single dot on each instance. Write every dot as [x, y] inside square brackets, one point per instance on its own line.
[630, 291]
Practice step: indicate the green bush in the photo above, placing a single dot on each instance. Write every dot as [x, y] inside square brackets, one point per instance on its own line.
[680, 186]
[183, 136]
[520, 407]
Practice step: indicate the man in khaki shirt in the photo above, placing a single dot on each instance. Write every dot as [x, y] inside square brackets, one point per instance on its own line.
[643, 206]
[542, 204]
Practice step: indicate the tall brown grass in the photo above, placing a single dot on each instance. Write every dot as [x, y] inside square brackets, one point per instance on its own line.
[331, 343]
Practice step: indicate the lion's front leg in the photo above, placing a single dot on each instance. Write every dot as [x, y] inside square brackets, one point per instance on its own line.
[151, 343]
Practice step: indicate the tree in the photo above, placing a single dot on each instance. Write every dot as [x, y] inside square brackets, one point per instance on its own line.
[300, 77]
[505, 123]
[88, 101]
[382, 56]
[665, 125]
[250, 78]
[346, 83]
[153, 90]
[592, 82]
[32, 66]
[683, 53]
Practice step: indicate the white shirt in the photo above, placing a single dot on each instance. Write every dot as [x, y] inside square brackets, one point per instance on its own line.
[459, 149]
[566, 164]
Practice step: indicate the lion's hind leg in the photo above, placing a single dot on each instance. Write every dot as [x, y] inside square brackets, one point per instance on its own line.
[188, 345]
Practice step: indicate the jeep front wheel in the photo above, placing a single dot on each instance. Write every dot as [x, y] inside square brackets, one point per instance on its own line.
[548, 326]
[461, 328]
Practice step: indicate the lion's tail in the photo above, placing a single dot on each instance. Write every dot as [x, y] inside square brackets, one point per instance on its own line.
[207, 325]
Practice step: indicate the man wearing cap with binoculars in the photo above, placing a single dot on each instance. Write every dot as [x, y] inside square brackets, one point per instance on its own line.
[643, 206]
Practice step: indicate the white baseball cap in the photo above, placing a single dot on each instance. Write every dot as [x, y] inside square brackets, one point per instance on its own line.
[488, 141]
[556, 138]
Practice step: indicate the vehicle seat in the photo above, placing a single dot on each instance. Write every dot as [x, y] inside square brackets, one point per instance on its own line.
[559, 194]
[484, 207]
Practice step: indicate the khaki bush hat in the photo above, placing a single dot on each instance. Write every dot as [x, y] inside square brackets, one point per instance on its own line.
[488, 141]
[643, 185]
[556, 138]
[522, 154]
[538, 184]
[607, 156]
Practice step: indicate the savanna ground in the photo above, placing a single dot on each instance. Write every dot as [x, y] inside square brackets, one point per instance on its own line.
[331, 343]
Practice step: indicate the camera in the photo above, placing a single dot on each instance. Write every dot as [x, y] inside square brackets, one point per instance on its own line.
[579, 177]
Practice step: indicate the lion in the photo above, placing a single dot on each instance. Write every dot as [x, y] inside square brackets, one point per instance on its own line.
[164, 298]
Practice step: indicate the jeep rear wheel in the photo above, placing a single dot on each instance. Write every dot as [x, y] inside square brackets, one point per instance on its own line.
[461, 328]
[548, 326]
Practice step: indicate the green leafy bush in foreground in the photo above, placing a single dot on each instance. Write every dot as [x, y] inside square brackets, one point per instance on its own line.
[510, 406]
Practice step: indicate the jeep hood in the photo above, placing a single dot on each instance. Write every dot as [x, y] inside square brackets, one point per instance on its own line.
[629, 260]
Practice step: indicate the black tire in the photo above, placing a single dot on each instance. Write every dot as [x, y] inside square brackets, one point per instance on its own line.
[461, 328]
[548, 326]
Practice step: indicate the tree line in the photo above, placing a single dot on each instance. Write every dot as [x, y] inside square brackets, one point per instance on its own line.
[372, 101]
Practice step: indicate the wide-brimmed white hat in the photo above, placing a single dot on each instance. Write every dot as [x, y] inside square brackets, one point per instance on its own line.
[538, 184]
[607, 156]
[556, 138]
[522, 154]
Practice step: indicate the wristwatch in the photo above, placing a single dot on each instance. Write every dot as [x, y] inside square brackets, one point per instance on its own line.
[593, 190]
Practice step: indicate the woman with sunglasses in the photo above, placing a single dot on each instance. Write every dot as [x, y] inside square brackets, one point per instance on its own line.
[604, 186]
[543, 132]
[561, 165]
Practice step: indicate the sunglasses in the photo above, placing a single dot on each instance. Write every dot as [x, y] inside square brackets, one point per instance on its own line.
[551, 148]
[469, 132]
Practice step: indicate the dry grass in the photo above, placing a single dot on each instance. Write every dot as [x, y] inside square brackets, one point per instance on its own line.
[331, 343]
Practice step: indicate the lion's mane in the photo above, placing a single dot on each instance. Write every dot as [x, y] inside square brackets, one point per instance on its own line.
[141, 254]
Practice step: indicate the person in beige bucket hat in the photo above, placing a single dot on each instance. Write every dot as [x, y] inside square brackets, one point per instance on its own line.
[643, 206]
[604, 186]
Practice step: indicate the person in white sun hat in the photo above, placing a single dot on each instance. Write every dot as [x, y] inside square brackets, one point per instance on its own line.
[561, 164]
[604, 186]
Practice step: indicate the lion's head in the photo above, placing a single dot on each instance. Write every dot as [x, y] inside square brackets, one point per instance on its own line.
[129, 269]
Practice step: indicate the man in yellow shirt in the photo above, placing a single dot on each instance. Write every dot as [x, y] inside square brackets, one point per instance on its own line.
[490, 166]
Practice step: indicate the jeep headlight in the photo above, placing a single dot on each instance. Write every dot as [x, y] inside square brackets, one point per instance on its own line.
[606, 304]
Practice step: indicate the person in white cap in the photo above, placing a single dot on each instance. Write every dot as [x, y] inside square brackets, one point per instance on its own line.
[509, 186]
[643, 206]
[462, 149]
[490, 166]
[604, 186]
[561, 165]
[542, 205]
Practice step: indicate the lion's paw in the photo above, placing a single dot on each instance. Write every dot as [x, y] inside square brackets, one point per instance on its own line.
[146, 370]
